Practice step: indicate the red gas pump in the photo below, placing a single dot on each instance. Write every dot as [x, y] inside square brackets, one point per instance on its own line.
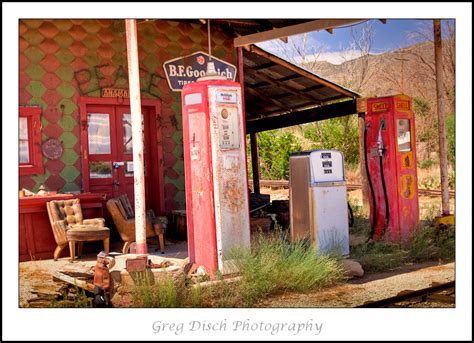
[217, 210]
[390, 148]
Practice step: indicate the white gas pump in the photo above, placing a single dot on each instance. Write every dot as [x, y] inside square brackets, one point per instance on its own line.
[318, 200]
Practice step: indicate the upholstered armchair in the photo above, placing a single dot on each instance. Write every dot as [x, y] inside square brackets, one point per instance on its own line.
[70, 227]
[123, 216]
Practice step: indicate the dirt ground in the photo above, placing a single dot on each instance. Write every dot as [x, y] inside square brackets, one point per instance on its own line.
[35, 277]
[370, 287]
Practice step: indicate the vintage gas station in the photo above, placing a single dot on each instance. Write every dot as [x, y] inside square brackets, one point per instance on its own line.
[153, 115]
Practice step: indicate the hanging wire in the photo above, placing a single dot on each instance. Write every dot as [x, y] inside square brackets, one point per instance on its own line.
[209, 38]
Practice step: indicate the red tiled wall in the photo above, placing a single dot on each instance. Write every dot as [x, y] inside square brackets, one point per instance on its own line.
[54, 54]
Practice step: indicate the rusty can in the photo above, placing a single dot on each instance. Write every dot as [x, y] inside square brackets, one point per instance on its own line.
[136, 264]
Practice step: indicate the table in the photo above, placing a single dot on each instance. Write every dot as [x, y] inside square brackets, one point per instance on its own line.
[36, 239]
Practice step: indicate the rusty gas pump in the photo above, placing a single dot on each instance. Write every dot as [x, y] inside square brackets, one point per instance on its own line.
[390, 149]
[217, 206]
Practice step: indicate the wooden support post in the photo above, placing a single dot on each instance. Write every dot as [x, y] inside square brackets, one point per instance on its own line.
[443, 163]
[137, 135]
[255, 163]
[363, 171]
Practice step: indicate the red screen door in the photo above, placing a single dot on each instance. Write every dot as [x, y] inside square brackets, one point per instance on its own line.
[109, 161]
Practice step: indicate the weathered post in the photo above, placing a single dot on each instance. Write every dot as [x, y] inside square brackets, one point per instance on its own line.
[137, 135]
[255, 163]
[441, 122]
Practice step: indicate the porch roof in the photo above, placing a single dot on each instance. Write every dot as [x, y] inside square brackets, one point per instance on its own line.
[279, 93]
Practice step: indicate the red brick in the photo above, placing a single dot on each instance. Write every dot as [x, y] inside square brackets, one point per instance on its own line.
[49, 46]
[27, 182]
[48, 29]
[78, 49]
[51, 81]
[53, 130]
[77, 32]
[52, 114]
[54, 183]
[171, 173]
[50, 63]
[54, 166]
[169, 160]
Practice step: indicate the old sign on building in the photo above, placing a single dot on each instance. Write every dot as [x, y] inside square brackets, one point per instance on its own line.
[183, 70]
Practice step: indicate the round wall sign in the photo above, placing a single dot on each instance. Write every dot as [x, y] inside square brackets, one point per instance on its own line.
[52, 149]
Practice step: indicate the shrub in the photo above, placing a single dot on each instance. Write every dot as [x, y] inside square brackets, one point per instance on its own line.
[274, 265]
[425, 164]
[275, 148]
[451, 139]
[339, 133]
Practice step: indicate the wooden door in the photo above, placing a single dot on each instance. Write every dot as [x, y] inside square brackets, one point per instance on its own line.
[109, 161]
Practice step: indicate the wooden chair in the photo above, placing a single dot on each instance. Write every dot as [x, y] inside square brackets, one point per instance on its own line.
[123, 216]
[69, 227]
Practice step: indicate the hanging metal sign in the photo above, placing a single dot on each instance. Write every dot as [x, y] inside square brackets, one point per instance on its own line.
[183, 70]
[115, 93]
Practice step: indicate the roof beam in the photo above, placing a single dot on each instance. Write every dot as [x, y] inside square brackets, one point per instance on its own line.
[338, 109]
[266, 98]
[281, 85]
[314, 25]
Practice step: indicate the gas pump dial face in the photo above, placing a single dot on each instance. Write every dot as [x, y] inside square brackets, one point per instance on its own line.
[225, 113]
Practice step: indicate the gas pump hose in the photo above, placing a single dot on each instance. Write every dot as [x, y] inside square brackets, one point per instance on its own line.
[374, 218]
[387, 212]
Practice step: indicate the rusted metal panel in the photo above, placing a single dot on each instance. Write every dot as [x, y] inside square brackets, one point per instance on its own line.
[230, 174]
[300, 199]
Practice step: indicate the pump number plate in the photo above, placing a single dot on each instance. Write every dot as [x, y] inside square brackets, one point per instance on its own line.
[226, 97]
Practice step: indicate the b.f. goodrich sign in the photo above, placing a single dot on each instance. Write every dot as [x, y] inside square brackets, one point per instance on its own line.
[183, 70]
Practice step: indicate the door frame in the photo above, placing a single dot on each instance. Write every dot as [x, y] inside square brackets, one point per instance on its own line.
[156, 153]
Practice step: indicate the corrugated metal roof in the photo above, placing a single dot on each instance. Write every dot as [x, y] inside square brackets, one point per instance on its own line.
[276, 86]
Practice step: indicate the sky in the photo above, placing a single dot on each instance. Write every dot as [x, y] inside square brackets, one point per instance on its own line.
[334, 48]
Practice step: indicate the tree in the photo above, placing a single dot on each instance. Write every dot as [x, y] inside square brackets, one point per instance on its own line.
[426, 62]
[358, 72]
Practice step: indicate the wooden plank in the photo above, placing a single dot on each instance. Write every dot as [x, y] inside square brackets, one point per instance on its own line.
[73, 281]
[338, 109]
[361, 105]
[310, 26]
[302, 72]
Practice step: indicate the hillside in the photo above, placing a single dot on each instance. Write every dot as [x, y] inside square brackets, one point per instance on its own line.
[409, 70]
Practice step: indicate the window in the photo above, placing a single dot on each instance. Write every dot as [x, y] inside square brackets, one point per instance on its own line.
[29, 141]
[404, 139]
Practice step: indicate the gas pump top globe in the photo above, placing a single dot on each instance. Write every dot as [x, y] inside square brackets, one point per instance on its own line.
[211, 73]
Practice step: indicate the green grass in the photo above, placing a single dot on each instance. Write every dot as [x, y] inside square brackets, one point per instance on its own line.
[155, 292]
[426, 244]
[271, 265]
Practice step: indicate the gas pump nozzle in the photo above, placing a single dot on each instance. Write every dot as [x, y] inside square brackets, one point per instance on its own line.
[380, 145]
